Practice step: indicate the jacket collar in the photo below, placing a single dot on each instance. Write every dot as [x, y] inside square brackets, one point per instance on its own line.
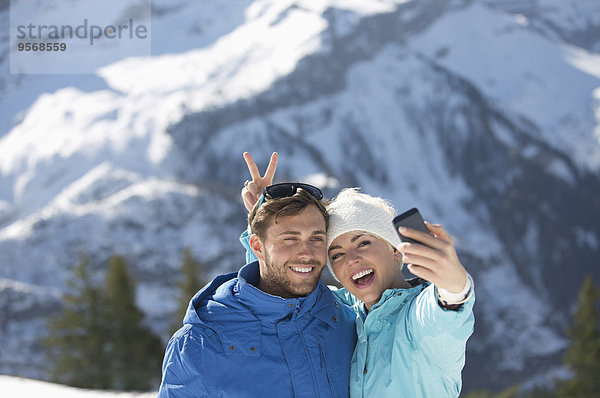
[320, 303]
[417, 286]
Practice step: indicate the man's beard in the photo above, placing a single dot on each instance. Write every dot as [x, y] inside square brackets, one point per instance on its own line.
[275, 279]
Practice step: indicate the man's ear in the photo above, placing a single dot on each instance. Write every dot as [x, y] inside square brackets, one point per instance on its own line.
[257, 247]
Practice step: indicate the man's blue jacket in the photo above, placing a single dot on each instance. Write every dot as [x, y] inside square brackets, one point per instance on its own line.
[238, 341]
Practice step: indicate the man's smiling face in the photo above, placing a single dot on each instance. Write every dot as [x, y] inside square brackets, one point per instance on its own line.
[293, 254]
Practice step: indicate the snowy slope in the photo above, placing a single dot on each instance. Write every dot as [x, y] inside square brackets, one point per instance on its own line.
[453, 107]
[573, 22]
[522, 79]
[27, 388]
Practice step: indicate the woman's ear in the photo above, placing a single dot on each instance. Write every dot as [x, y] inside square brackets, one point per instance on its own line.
[397, 255]
[257, 247]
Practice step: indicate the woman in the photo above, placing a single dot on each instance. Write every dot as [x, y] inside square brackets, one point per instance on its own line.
[411, 334]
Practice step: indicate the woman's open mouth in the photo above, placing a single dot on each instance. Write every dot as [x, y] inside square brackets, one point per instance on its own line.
[363, 278]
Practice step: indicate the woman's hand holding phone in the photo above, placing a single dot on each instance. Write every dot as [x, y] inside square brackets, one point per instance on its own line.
[430, 253]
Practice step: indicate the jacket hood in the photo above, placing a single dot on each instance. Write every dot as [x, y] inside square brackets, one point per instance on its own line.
[213, 309]
[215, 296]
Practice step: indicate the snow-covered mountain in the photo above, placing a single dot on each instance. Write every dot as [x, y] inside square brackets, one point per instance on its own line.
[484, 114]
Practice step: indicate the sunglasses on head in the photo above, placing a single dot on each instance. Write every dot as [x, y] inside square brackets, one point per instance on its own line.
[286, 189]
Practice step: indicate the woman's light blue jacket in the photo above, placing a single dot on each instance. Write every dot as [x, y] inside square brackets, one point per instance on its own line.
[408, 345]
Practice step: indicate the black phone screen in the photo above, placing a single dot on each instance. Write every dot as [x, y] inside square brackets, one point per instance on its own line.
[410, 219]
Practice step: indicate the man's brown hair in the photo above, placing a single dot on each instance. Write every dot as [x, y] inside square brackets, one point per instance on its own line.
[260, 218]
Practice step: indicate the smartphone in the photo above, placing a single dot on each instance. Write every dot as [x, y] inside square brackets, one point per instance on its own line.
[410, 219]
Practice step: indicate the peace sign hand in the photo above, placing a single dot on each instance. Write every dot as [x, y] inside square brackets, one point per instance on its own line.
[253, 189]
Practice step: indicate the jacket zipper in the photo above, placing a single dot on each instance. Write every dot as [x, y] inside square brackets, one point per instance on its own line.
[364, 375]
[324, 366]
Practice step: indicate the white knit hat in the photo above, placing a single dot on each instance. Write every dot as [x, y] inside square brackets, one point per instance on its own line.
[352, 210]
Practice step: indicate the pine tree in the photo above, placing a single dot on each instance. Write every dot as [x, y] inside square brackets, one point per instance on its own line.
[99, 340]
[135, 352]
[75, 345]
[192, 281]
[583, 356]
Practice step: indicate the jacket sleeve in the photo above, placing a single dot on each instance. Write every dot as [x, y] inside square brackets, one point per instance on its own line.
[245, 241]
[441, 333]
[181, 377]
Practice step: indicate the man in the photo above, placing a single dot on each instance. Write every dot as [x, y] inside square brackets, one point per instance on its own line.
[273, 329]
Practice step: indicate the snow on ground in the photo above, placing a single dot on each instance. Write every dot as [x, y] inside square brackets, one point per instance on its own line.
[27, 388]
